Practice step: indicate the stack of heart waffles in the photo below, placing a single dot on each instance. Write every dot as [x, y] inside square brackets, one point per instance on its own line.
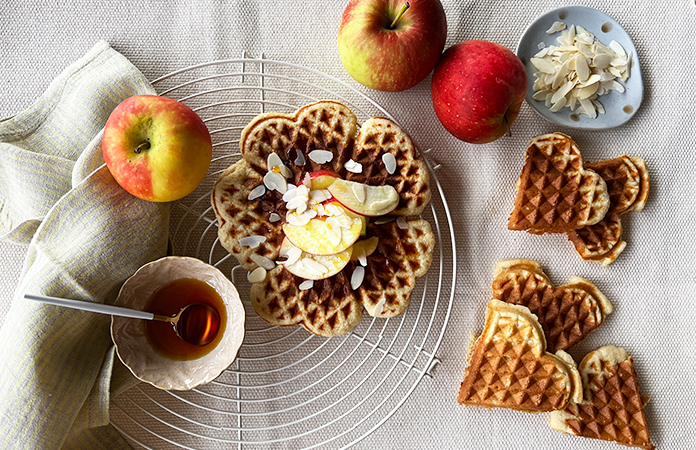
[558, 193]
[509, 365]
[316, 210]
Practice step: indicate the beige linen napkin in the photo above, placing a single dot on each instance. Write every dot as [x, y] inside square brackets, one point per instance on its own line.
[86, 235]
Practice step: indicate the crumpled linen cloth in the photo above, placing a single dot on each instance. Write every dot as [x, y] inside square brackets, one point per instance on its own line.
[86, 235]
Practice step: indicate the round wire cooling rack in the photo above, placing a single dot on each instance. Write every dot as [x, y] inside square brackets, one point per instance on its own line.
[287, 388]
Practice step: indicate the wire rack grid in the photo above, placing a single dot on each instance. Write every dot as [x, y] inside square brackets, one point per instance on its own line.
[287, 388]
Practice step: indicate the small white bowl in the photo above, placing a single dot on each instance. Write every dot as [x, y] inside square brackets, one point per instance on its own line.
[619, 107]
[130, 335]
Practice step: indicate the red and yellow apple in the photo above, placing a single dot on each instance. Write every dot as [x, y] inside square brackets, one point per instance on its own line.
[477, 90]
[391, 45]
[156, 148]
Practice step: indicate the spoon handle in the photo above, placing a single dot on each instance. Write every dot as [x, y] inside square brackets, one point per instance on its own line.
[92, 307]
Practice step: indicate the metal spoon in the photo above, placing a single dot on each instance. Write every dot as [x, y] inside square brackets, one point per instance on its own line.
[197, 324]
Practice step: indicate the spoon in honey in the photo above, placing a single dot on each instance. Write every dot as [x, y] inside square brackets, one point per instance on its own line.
[197, 324]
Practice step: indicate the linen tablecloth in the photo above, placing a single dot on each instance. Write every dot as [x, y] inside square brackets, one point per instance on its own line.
[650, 284]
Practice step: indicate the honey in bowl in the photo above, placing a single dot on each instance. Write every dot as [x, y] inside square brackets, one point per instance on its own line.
[168, 301]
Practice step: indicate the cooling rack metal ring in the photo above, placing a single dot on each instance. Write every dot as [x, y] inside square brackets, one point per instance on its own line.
[287, 388]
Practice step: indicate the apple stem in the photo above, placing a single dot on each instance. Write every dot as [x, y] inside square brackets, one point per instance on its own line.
[144, 146]
[507, 124]
[398, 16]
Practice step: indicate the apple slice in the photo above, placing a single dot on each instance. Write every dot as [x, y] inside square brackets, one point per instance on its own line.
[321, 179]
[364, 247]
[313, 267]
[363, 199]
[349, 213]
[324, 235]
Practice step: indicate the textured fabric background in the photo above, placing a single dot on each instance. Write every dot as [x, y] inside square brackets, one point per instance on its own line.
[651, 284]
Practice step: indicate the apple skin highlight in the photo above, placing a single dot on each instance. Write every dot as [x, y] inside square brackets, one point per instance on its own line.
[477, 90]
[387, 59]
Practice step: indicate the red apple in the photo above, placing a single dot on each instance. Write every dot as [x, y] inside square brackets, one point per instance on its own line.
[477, 90]
[156, 148]
[391, 45]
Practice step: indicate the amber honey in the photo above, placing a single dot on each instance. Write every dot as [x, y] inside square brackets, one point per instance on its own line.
[168, 301]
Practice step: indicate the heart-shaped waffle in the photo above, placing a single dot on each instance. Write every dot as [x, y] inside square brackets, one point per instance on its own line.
[509, 366]
[566, 313]
[556, 193]
[612, 405]
[331, 307]
[250, 224]
[628, 184]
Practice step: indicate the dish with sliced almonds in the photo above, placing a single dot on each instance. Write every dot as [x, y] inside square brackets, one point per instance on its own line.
[583, 69]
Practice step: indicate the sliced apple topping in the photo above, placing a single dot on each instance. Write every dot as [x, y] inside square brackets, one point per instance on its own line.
[402, 223]
[378, 200]
[321, 179]
[325, 235]
[312, 267]
[364, 248]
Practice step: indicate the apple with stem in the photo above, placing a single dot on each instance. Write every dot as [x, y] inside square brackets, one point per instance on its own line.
[156, 148]
[477, 90]
[391, 45]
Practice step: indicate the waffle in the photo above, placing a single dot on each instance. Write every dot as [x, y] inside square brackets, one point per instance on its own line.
[330, 125]
[612, 407]
[331, 307]
[510, 368]
[566, 313]
[628, 184]
[556, 193]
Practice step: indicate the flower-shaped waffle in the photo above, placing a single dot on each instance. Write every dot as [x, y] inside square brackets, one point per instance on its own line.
[301, 209]
[556, 193]
[612, 405]
[628, 183]
[566, 313]
[509, 366]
